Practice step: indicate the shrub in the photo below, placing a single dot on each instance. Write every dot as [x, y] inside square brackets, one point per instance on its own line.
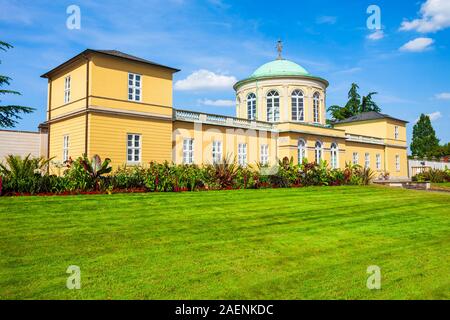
[222, 175]
[82, 174]
[23, 175]
[433, 175]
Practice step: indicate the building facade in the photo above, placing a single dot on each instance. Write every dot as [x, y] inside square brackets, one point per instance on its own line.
[120, 106]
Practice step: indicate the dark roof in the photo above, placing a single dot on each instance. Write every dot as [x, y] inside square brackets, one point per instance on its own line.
[365, 116]
[113, 53]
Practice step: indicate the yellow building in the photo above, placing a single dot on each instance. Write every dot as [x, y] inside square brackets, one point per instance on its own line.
[120, 106]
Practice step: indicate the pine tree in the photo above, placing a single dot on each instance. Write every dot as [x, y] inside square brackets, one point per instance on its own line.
[9, 113]
[354, 100]
[424, 141]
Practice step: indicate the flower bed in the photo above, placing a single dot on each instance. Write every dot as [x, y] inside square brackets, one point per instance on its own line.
[83, 176]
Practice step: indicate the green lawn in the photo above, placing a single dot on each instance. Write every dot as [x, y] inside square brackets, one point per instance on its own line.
[308, 243]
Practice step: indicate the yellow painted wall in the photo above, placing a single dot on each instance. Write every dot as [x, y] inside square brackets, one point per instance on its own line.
[362, 149]
[371, 128]
[108, 138]
[288, 146]
[77, 73]
[204, 135]
[338, 133]
[390, 132]
[73, 127]
[391, 152]
[110, 80]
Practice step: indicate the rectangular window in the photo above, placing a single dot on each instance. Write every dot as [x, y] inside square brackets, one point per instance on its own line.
[396, 132]
[66, 148]
[67, 89]
[378, 161]
[242, 154]
[264, 154]
[134, 143]
[355, 158]
[188, 151]
[217, 151]
[397, 162]
[367, 160]
[134, 87]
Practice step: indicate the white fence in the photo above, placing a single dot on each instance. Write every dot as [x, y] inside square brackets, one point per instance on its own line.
[416, 166]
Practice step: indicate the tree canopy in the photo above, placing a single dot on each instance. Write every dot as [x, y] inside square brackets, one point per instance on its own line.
[424, 141]
[9, 114]
[355, 105]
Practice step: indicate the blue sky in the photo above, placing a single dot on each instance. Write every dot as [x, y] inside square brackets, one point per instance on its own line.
[217, 41]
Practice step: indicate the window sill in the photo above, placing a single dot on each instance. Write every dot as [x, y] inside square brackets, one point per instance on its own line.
[133, 163]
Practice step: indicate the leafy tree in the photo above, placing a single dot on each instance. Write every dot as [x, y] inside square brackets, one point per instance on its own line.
[424, 141]
[9, 113]
[367, 104]
[354, 105]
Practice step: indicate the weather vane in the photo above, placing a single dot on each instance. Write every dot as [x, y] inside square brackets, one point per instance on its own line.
[279, 49]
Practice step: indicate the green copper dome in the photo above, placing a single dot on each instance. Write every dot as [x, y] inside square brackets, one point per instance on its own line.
[279, 67]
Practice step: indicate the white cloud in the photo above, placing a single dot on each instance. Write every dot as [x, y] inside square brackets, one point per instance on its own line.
[326, 20]
[417, 45]
[443, 96]
[435, 16]
[349, 71]
[217, 103]
[376, 35]
[433, 116]
[204, 80]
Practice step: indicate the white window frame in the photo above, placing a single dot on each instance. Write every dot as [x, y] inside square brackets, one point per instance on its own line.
[67, 86]
[367, 160]
[316, 107]
[355, 158]
[242, 154]
[217, 151]
[334, 155]
[397, 162]
[273, 106]
[66, 140]
[251, 106]
[135, 150]
[378, 161]
[188, 151]
[318, 151]
[301, 149]
[264, 154]
[297, 104]
[134, 85]
[396, 132]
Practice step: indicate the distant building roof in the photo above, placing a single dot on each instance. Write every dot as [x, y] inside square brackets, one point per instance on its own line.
[113, 53]
[365, 116]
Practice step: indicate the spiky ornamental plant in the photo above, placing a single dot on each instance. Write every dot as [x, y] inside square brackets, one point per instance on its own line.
[96, 168]
[9, 114]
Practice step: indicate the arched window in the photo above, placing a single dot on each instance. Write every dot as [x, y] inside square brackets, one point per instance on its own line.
[273, 106]
[251, 106]
[334, 156]
[301, 150]
[297, 105]
[316, 107]
[318, 152]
